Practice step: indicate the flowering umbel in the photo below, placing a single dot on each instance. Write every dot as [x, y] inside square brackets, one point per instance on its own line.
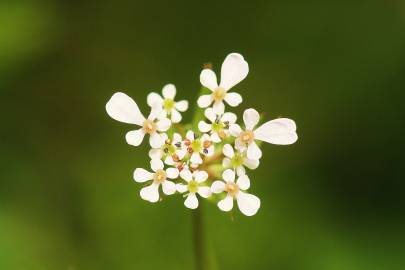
[207, 158]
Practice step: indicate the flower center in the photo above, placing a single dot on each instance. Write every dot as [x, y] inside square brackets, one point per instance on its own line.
[232, 189]
[168, 149]
[219, 94]
[196, 146]
[193, 186]
[237, 160]
[168, 104]
[217, 126]
[149, 126]
[246, 136]
[160, 176]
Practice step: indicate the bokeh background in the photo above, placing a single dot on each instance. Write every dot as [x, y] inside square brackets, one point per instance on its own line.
[332, 201]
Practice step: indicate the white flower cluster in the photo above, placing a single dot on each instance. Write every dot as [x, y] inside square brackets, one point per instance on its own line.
[209, 161]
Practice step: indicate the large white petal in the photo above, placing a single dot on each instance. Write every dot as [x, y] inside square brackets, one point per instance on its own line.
[243, 182]
[168, 187]
[190, 135]
[142, 175]
[215, 137]
[251, 163]
[229, 117]
[204, 101]
[253, 151]
[235, 130]
[182, 105]
[226, 162]
[228, 175]
[169, 91]
[169, 161]
[277, 131]
[135, 137]
[196, 158]
[210, 114]
[176, 138]
[217, 186]
[240, 170]
[154, 99]
[155, 111]
[181, 188]
[204, 127]
[233, 99]
[234, 69]
[248, 204]
[219, 107]
[186, 175]
[172, 173]
[191, 201]
[208, 79]
[226, 204]
[200, 176]
[204, 192]
[156, 140]
[155, 153]
[124, 109]
[228, 151]
[250, 117]
[163, 124]
[175, 116]
[156, 164]
[150, 193]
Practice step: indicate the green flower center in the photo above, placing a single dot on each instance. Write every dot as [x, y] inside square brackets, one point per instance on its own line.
[196, 146]
[217, 126]
[168, 104]
[169, 149]
[237, 160]
[193, 186]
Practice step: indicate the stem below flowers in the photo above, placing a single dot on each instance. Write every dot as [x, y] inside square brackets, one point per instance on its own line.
[198, 240]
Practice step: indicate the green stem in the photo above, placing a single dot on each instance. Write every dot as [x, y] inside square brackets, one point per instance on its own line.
[198, 239]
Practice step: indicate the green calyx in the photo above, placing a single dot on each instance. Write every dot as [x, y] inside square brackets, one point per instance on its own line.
[237, 160]
[196, 146]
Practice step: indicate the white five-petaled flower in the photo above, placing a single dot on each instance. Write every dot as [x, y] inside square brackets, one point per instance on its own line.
[124, 109]
[198, 146]
[170, 108]
[234, 69]
[219, 127]
[237, 160]
[172, 151]
[159, 176]
[279, 131]
[248, 204]
[194, 185]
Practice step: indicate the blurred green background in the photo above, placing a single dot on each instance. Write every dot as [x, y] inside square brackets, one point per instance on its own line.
[332, 201]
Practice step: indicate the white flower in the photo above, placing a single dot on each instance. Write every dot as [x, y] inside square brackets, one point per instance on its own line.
[219, 127]
[237, 160]
[194, 181]
[172, 151]
[198, 146]
[159, 177]
[169, 106]
[279, 131]
[234, 69]
[248, 204]
[124, 109]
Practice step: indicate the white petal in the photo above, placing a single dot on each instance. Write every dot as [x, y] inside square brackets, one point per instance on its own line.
[243, 182]
[169, 161]
[142, 175]
[150, 193]
[228, 117]
[163, 124]
[190, 135]
[181, 153]
[228, 175]
[204, 127]
[251, 117]
[210, 114]
[196, 158]
[226, 162]
[124, 109]
[205, 137]
[204, 101]
[240, 170]
[176, 138]
[156, 140]
[155, 153]
[233, 99]
[191, 201]
[219, 107]
[200, 176]
[277, 132]
[226, 204]
[235, 130]
[204, 192]
[156, 164]
[240, 146]
[182, 105]
[215, 137]
[169, 91]
[175, 116]
[181, 188]
[234, 69]
[168, 187]
[248, 204]
[208, 79]
[228, 151]
[251, 163]
[288, 122]
[217, 186]
[155, 111]
[253, 151]
[210, 151]
[186, 175]
[154, 99]
[135, 137]
[172, 173]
